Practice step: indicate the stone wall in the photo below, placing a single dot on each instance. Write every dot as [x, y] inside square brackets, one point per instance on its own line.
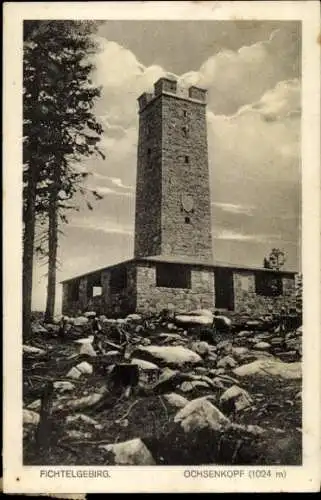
[185, 173]
[247, 301]
[149, 182]
[120, 302]
[154, 299]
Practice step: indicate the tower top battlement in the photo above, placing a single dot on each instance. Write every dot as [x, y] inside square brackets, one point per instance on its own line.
[167, 86]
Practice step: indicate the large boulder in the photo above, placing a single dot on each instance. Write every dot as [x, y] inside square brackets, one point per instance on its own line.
[270, 367]
[199, 414]
[175, 356]
[133, 452]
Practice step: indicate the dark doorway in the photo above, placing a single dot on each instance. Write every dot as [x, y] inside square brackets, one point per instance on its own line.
[224, 289]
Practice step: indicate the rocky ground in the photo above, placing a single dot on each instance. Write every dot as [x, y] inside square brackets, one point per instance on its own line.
[162, 390]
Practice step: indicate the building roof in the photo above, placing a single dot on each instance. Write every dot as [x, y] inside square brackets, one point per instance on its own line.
[179, 259]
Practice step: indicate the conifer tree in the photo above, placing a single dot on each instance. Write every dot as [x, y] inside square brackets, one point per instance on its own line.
[60, 130]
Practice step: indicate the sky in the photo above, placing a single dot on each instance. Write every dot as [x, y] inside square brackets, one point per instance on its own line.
[253, 76]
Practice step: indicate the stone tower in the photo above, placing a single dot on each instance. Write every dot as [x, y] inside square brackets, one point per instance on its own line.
[173, 209]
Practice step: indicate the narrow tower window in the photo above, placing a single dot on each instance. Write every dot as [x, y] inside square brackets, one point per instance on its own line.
[185, 130]
[186, 159]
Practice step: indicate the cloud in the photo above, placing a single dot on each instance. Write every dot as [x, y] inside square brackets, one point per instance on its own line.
[108, 226]
[226, 234]
[235, 78]
[233, 208]
[105, 190]
[118, 182]
[281, 102]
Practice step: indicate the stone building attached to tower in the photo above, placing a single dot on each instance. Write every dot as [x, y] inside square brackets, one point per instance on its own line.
[173, 265]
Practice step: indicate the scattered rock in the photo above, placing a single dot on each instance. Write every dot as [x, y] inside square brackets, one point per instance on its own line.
[167, 338]
[256, 430]
[202, 312]
[175, 400]
[133, 452]
[82, 368]
[168, 355]
[86, 340]
[193, 319]
[144, 365]
[35, 405]
[38, 328]
[28, 349]
[30, 417]
[190, 385]
[75, 434]
[74, 373]
[88, 350]
[212, 358]
[80, 321]
[199, 414]
[145, 342]
[84, 402]
[135, 318]
[235, 399]
[289, 356]
[253, 324]
[167, 374]
[85, 368]
[201, 348]
[244, 333]
[139, 329]
[222, 323]
[239, 352]
[63, 386]
[225, 346]
[201, 370]
[90, 314]
[270, 367]
[85, 419]
[262, 346]
[226, 362]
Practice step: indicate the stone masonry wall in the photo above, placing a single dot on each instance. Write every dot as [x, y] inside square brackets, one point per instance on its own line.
[149, 182]
[154, 299]
[121, 302]
[185, 172]
[247, 301]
